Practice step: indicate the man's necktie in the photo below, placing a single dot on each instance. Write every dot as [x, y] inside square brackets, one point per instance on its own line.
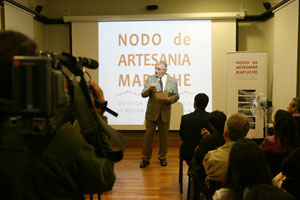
[161, 85]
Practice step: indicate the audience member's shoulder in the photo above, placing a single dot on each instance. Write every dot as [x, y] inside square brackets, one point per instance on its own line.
[186, 116]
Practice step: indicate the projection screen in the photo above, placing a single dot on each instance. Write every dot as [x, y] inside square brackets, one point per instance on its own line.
[129, 51]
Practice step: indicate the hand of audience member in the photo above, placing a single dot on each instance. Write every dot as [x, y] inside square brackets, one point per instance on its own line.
[204, 131]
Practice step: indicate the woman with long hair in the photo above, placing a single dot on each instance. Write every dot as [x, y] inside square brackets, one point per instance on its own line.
[247, 167]
[285, 138]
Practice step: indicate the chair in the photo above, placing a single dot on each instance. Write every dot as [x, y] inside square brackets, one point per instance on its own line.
[275, 161]
[91, 196]
[185, 154]
[213, 186]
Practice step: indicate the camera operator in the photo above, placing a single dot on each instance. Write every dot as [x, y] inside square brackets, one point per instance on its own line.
[60, 165]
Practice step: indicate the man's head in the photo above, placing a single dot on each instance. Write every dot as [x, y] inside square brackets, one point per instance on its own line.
[12, 44]
[217, 120]
[160, 69]
[200, 101]
[294, 106]
[236, 127]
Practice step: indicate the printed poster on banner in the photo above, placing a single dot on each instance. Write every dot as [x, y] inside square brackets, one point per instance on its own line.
[247, 88]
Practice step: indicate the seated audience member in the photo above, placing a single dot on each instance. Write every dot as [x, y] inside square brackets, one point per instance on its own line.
[247, 167]
[284, 140]
[215, 162]
[291, 171]
[209, 142]
[57, 165]
[285, 137]
[191, 126]
[293, 108]
[266, 192]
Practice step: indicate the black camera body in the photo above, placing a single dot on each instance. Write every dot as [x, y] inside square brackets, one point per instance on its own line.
[40, 94]
[38, 89]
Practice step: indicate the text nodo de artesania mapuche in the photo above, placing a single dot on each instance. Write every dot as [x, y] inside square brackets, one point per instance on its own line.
[146, 59]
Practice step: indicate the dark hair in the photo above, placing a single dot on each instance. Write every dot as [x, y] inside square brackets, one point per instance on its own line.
[247, 167]
[201, 100]
[12, 44]
[285, 130]
[237, 126]
[296, 101]
[267, 192]
[217, 119]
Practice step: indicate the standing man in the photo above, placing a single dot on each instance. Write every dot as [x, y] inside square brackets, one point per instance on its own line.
[158, 112]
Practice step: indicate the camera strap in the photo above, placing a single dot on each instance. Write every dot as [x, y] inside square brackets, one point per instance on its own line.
[95, 130]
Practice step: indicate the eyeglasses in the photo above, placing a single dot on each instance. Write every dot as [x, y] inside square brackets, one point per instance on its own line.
[158, 69]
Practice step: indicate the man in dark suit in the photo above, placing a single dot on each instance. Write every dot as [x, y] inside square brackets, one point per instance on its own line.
[294, 109]
[210, 141]
[191, 126]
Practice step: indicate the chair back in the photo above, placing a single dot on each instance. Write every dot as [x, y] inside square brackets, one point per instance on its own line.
[187, 150]
[275, 161]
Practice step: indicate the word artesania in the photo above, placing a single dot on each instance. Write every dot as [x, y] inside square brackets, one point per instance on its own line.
[146, 59]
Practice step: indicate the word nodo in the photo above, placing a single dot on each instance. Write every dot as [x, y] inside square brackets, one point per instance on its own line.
[143, 39]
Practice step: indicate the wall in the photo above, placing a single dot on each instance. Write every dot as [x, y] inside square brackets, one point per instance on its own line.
[259, 36]
[286, 42]
[40, 35]
[1, 18]
[58, 8]
[221, 44]
[57, 38]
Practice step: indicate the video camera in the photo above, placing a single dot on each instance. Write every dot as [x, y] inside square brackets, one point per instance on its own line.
[50, 89]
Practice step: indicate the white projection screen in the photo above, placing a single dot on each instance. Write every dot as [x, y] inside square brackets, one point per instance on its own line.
[128, 52]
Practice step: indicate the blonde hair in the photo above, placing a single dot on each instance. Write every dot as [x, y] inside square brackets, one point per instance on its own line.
[237, 126]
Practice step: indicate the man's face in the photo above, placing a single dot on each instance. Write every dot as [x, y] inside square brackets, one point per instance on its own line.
[292, 108]
[159, 70]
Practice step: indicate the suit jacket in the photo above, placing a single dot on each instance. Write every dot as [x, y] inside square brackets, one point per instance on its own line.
[215, 162]
[155, 107]
[297, 121]
[190, 132]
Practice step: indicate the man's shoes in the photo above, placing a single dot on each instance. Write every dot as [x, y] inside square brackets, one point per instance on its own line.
[144, 164]
[163, 162]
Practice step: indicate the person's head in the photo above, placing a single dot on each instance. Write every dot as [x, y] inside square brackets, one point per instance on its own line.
[161, 69]
[266, 192]
[12, 44]
[285, 129]
[217, 120]
[236, 127]
[294, 106]
[201, 101]
[247, 167]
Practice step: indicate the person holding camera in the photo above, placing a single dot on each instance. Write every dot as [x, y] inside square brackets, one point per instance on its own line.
[56, 165]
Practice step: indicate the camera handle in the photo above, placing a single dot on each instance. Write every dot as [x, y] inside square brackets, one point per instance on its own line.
[93, 127]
